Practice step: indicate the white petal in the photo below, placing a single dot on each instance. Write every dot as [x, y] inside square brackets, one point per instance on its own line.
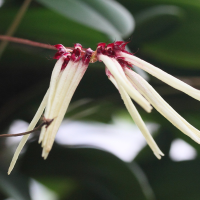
[55, 126]
[137, 119]
[31, 127]
[52, 88]
[112, 79]
[163, 107]
[61, 90]
[123, 81]
[163, 76]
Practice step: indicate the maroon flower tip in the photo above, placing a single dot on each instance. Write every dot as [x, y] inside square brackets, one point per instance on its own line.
[76, 53]
[110, 50]
[77, 45]
[61, 51]
[66, 61]
[101, 48]
[124, 63]
[59, 46]
[57, 56]
[120, 45]
[86, 57]
[102, 44]
[111, 45]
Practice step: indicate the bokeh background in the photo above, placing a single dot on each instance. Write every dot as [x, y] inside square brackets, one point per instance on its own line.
[99, 153]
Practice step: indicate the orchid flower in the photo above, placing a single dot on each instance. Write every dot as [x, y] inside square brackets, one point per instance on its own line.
[68, 72]
[119, 64]
[66, 75]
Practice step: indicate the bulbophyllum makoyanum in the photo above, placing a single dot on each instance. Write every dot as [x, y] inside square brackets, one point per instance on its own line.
[68, 71]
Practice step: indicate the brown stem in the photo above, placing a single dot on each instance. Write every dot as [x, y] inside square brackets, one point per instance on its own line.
[46, 122]
[31, 43]
[27, 42]
[42, 45]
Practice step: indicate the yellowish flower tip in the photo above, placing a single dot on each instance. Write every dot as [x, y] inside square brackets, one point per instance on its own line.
[93, 58]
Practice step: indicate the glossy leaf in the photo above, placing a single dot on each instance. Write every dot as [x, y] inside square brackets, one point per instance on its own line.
[174, 180]
[106, 16]
[95, 170]
[178, 46]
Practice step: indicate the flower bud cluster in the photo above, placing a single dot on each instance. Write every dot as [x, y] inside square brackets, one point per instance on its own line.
[114, 50]
[74, 55]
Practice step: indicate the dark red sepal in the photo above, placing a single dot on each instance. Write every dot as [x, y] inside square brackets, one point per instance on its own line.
[110, 50]
[101, 48]
[66, 61]
[61, 51]
[121, 46]
[124, 63]
[86, 57]
[76, 53]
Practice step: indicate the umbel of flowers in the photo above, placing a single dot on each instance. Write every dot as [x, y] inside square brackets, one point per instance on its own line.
[68, 72]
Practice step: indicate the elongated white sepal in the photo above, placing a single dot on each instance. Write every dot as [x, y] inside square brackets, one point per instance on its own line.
[52, 88]
[31, 127]
[163, 107]
[163, 76]
[58, 98]
[80, 70]
[137, 119]
[123, 81]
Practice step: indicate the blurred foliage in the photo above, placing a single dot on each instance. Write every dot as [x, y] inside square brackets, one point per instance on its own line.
[163, 32]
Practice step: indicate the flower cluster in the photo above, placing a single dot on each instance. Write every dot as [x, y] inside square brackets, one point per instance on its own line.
[119, 64]
[68, 72]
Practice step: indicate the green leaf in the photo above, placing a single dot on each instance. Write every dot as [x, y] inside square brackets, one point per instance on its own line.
[15, 185]
[97, 171]
[157, 22]
[178, 46]
[174, 180]
[105, 16]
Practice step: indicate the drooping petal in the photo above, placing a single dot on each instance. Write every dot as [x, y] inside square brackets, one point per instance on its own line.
[59, 84]
[163, 76]
[163, 107]
[123, 81]
[59, 96]
[65, 91]
[137, 119]
[52, 88]
[31, 127]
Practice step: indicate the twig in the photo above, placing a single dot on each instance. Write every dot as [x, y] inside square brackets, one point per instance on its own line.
[46, 122]
[27, 42]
